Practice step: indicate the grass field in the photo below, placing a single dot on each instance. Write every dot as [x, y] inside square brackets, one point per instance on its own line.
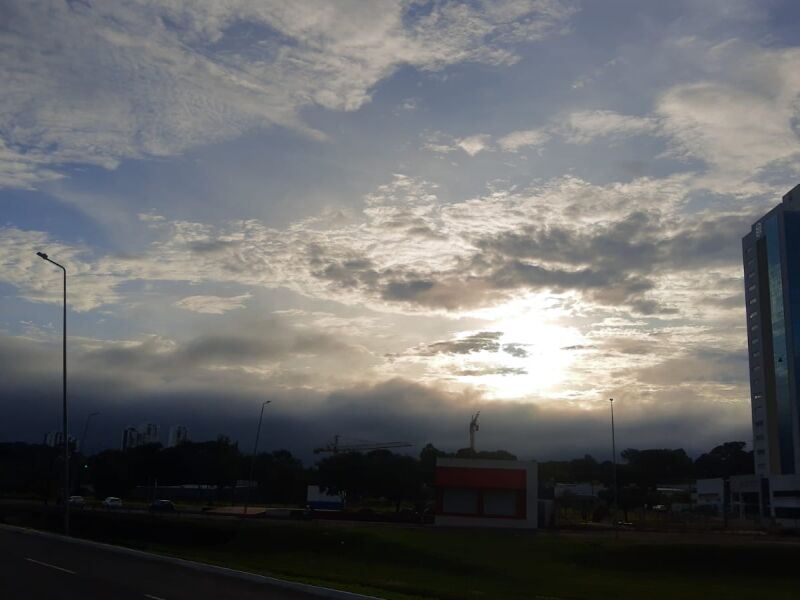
[404, 563]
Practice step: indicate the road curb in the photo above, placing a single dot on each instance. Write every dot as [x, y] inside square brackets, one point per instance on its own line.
[306, 588]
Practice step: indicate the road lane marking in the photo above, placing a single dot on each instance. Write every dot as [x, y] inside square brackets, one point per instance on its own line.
[153, 597]
[44, 564]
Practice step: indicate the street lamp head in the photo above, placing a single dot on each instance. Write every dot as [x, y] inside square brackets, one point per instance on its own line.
[610, 399]
[42, 255]
[266, 402]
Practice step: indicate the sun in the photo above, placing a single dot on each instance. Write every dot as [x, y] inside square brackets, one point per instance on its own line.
[534, 355]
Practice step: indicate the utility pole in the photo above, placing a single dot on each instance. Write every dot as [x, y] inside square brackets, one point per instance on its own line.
[614, 463]
[253, 458]
[85, 431]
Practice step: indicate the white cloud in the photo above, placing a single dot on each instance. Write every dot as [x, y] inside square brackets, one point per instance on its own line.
[474, 143]
[98, 84]
[213, 305]
[23, 169]
[512, 142]
[583, 127]
[743, 117]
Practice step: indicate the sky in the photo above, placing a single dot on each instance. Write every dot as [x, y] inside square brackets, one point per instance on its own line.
[384, 216]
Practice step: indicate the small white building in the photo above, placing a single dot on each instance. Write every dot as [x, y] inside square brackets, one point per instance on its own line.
[784, 500]
[586, 489]
[320, 500]
[710, 495]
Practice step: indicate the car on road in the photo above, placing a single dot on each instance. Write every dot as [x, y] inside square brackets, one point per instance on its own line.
[112, 502]
[162, 506]
[77, 501]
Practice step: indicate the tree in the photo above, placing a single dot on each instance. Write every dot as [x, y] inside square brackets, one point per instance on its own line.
[725, 460]
[648, 468]
[427, 462]
[280, 477]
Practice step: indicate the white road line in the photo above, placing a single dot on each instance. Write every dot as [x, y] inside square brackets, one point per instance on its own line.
[44, 564]
[153, 597]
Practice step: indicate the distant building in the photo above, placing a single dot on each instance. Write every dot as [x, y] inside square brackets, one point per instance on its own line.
[146, 433]
[55, 439]
[585, 489]
[177, 435]
[131, 438]
[317, 499]
[150, 433]
[771, 255]
[486, 493]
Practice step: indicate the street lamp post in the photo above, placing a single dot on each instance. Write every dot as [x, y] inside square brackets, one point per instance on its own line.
[253, 458]
[614, 463]
[44, 256]
[85, 430]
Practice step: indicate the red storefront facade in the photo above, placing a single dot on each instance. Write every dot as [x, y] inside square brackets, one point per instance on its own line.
[493, 493]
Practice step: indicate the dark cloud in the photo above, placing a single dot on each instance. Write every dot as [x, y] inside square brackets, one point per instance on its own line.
[483, 341]
[407, 290]
[424, 231]
[482, 371]
[515, 350]
[395, 410]
[612, 263]
[210, 246]
[706, 366]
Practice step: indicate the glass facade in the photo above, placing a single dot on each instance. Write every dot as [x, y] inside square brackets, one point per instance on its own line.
[792, 224]
[780, 352]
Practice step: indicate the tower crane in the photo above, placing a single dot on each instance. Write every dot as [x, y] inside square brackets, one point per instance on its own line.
[336, 447]
[473, 427]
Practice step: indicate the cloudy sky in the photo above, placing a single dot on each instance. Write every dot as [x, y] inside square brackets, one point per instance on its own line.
[384, 216]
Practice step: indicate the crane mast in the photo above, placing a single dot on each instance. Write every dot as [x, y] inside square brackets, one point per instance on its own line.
[473, 427]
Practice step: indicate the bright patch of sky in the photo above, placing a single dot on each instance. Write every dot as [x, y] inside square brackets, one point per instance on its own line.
[530, 203]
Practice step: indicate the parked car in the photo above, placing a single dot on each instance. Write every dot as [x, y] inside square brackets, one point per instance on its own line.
[165, 506]
[77, 501]
[112, 502]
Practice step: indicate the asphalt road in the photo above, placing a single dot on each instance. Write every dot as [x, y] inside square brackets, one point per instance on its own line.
[33, 567]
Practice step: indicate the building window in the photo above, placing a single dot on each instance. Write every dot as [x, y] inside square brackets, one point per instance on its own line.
[460, 501]
[500, 503]
[759, 423]
[760, 451]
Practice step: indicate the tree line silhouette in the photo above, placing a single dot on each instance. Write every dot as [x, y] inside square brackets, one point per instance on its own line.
[399, 479]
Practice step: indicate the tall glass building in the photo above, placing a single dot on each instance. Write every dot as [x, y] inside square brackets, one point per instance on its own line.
[771, 254]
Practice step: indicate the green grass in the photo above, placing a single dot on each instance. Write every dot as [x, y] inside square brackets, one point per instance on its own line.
[403, 563]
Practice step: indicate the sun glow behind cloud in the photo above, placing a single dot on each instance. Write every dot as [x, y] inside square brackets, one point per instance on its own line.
[535, 351]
